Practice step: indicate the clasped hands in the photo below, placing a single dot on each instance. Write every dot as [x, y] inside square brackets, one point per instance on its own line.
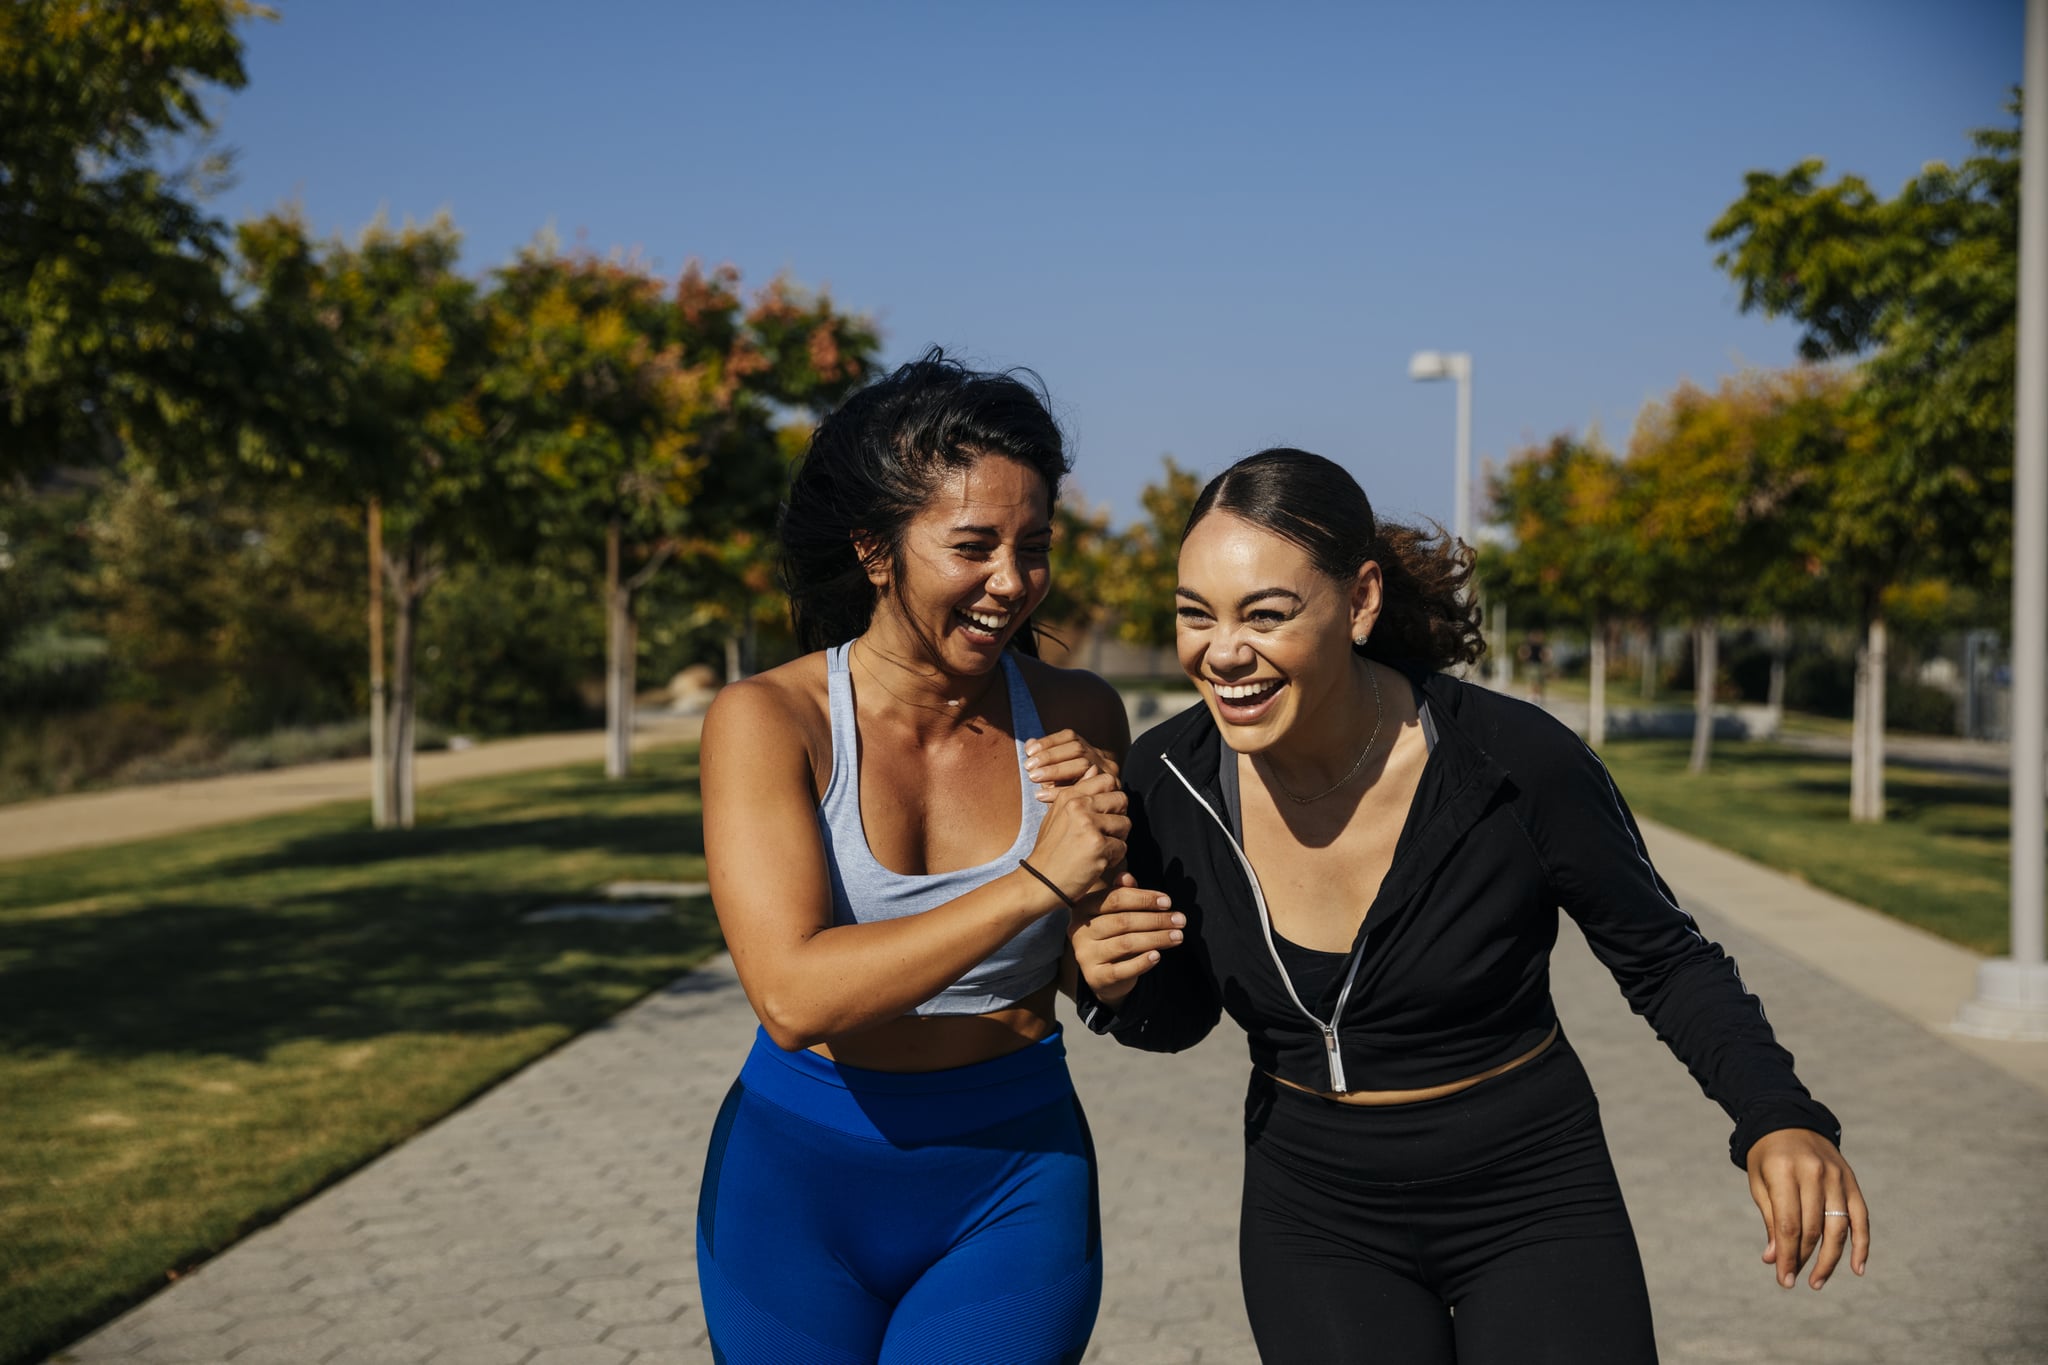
[1121, 928]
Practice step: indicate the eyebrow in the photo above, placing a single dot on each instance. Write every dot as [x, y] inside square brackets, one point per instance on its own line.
[1244, 601]
[994, 534]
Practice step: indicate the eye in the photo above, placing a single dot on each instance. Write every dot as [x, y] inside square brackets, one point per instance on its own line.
[1039, 551]
[977, 548]
[1191, 616]
[1265, 618]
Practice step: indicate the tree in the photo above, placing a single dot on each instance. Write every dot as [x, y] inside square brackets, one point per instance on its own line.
[1922, 286]
[1142, 577]
[372, 398]
[647, 412]
[1084, 550]
[115, 325]
[1565, 505]
[1724, 482]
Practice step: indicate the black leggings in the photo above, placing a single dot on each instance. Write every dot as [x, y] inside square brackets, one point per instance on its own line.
[1482, 1228]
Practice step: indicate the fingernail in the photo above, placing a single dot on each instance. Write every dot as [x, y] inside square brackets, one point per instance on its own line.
[1152, 956]
[1175, 935]
[1178, 918]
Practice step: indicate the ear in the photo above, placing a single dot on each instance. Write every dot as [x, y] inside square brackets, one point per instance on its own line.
[874, 559]
[1368, 595]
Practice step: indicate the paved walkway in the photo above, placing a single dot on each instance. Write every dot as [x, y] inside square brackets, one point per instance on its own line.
[549, 1223]
[92, 819]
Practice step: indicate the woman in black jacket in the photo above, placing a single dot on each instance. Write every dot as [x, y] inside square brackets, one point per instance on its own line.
[1361, 859]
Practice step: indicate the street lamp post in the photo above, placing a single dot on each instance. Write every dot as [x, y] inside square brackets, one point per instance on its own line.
[1454, 365]
[2012, 991]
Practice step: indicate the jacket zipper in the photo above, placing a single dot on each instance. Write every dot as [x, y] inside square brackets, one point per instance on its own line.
[1332, 1053]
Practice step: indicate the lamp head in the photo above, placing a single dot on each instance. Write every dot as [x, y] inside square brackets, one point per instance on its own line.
[1428, 365]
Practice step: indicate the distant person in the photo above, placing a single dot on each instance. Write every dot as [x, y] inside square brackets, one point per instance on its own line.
[1369, 856]
[1535, 654]
[902, 1171]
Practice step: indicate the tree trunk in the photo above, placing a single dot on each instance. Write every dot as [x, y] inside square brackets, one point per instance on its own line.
[618, 681]
[1596, 704]
[406, 588]
[1650, 663]
[1781, 639]
[732, 659]
[1503, 661]
[1706, 666]
[750, 646]
[1866, 768]
[380, 737]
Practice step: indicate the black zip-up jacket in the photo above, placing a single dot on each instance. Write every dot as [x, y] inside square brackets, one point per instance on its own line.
[1450, 974]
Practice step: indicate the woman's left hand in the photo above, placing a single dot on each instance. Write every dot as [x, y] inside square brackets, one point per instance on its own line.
[1804, 1189]
[1060, 758]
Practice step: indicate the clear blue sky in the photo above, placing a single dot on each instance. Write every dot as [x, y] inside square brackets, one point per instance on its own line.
[1210, 227]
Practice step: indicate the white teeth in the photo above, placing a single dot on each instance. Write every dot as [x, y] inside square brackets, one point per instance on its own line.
[1242, 691]
[987, 620]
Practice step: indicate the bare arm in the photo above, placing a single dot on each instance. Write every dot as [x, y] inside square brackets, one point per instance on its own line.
[808, 979]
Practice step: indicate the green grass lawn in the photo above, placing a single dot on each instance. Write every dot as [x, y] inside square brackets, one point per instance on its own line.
[1940, 860]
[197, 1032]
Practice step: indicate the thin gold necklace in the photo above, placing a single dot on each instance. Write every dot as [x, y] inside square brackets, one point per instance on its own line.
[953, 708]
[1379, 714]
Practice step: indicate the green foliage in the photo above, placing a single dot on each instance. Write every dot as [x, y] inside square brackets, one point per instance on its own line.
[1726, 488]
[1575, 554]
[511, 649]
[1923, 286]
[115, 327]
[1141, 577]
[226, 617]
[374, 385]
[1084, 551]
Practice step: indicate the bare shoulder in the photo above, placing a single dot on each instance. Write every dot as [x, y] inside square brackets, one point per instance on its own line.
[1075, 699]
[771, 716]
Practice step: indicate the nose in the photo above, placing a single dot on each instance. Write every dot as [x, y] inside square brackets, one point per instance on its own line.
[1228, 650]
[1005, 579]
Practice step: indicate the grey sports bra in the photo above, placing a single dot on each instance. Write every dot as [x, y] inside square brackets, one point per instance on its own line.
[863, 891]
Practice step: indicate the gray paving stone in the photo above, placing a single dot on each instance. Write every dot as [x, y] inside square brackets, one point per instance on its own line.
[381, 1353]
[579, 1355]
[490, 1353]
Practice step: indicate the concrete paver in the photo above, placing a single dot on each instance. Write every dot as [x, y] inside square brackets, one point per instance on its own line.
[550, 1222]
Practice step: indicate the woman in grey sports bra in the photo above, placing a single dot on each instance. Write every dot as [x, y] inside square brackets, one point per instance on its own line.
[901, 1171]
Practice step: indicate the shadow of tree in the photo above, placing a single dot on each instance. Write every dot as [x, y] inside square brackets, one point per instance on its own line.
[193, 976]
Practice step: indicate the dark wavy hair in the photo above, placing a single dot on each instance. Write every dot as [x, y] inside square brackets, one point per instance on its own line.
[1427, 616]
[874, 463]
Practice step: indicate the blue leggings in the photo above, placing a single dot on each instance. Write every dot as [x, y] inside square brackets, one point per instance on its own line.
[854, 1217]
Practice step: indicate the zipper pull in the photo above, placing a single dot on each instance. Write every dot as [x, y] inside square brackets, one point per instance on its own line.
[1334, 1057]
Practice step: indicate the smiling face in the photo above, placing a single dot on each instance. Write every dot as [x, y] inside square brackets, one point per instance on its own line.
[974, 563]
[1265, 634]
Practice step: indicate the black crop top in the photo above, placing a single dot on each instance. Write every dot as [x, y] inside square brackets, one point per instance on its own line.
[1449, 976]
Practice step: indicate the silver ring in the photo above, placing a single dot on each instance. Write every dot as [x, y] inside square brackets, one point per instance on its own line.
[1834, 1213]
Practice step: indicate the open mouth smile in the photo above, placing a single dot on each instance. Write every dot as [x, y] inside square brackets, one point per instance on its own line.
[1244, 703]
[983, 627]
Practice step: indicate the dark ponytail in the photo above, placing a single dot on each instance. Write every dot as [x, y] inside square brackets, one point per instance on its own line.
[875, 462]
[1427, 616]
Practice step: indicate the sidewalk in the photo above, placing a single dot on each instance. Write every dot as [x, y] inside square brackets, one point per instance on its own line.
[91, 819]
[550, 1222]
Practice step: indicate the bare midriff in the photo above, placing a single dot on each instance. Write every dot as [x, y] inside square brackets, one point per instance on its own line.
[939, 1042]
[1432, 1092]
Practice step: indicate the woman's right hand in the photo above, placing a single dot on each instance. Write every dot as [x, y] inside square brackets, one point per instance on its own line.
[1121, 936]
[1083, 834]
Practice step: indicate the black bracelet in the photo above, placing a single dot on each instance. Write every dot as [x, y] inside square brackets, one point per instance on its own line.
[1048, 885]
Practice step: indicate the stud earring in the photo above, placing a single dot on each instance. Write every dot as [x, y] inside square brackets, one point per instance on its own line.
[1360, 640]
